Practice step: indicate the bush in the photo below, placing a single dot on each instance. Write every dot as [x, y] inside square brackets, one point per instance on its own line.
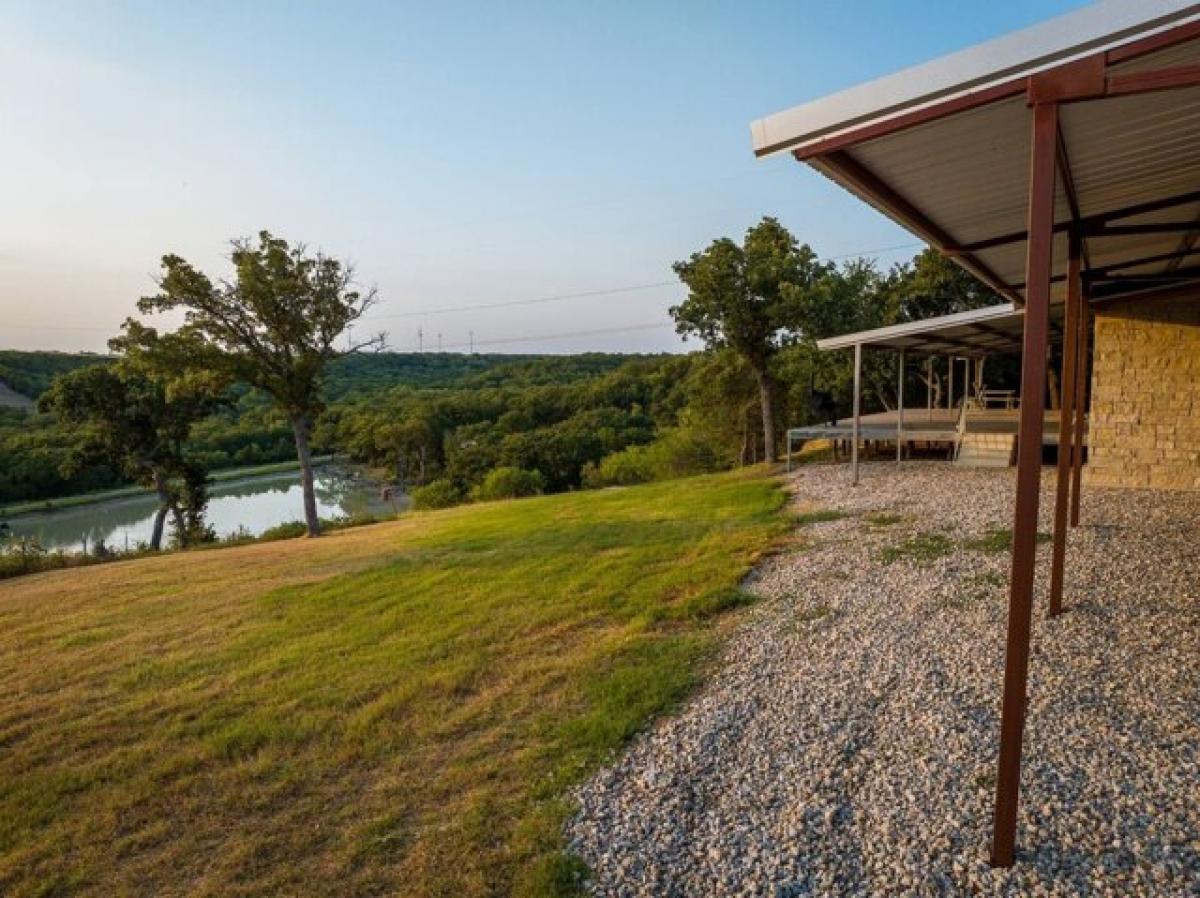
[676, 453]
[286, 530]
[438, 494]
[509, 483]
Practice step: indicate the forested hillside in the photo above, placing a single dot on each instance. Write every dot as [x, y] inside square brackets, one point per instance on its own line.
[451, 427]
[35, 453]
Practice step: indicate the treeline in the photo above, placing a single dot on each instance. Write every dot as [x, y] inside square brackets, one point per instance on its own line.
[453, 427]
[35, 449]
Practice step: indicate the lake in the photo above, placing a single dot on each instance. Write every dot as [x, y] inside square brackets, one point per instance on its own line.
[252, 504]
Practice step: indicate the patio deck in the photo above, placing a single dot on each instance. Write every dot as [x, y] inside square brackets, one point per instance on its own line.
[925, 426]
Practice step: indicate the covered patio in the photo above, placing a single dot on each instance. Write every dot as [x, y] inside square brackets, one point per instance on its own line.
[1061, 166]
[971, 411]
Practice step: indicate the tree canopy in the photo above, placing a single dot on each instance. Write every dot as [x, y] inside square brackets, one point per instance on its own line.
[275, 326]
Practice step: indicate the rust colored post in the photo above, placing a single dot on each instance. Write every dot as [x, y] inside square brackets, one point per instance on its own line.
[1066, 422]
[1029, 464]
[900, 410]
[1081, 404]
[857, 410]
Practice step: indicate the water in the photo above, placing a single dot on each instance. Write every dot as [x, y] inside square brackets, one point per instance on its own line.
[252, 504]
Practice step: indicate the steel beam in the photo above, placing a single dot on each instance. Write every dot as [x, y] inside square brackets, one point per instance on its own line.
[1066, 423]
[1087, 221]
[1171, 78]
[900, 411]
[1081, 402]
[857, 410]
[841, 166]
[1029, 464]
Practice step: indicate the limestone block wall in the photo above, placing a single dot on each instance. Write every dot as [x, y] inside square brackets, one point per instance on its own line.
[1145, 412]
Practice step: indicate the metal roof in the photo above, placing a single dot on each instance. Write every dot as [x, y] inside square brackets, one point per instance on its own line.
[1099, 26]
[978, 332]
[943, 148]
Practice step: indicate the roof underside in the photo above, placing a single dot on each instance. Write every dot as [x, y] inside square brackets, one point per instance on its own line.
[956, 172]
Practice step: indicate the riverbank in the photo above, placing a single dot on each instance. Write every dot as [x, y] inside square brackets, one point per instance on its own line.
[221, 476]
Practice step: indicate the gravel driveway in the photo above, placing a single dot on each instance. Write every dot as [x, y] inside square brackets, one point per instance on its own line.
[846, 743]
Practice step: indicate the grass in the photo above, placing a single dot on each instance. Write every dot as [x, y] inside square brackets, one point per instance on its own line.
[921, 547]
[976, 588]
[884, 519]
[392, 709]
[998, 540]
[819, 516]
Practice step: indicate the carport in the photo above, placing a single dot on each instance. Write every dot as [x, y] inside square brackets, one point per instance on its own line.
[1061, 166]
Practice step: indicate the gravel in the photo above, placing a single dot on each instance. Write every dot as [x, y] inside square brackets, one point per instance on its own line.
[846, 742]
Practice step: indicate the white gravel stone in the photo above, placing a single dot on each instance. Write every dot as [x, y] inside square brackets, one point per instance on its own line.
[847, 743]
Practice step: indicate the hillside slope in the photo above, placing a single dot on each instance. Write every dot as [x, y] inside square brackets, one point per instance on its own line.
[395, 709]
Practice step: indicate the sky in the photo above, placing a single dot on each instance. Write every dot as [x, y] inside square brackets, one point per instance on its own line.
[458, 154]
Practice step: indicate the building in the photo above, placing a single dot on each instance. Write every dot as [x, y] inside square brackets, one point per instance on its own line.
[1060, 165]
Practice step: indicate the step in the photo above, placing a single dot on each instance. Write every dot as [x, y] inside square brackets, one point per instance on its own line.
[986, 450]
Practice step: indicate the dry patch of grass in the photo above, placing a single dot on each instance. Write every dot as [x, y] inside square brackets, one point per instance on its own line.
[998, 540]
[394, 709]
[922, 547]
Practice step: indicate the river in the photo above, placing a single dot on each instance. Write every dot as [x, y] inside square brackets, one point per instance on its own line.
[249, 504]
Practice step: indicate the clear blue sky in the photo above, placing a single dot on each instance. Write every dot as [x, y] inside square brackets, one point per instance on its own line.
[458, 153]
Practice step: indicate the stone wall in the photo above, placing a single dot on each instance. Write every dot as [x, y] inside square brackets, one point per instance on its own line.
[1145, 412]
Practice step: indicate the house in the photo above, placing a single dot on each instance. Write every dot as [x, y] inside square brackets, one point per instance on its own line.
[1060, 165]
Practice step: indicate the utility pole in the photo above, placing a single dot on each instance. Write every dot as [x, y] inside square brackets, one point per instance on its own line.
[471, 338]
[420, 340]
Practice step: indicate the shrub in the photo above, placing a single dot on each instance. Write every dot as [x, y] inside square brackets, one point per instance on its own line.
[509, 483]
[437, 494]
[676, 453]
[286, 530]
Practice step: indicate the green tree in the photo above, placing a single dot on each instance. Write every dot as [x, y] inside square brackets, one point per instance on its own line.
[749, 298]
[933, 285]
[275, 326]
[124, 416]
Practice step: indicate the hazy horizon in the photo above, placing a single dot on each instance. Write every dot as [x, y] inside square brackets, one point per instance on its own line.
[459, 156]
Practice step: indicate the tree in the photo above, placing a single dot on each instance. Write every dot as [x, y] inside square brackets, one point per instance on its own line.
[275, 327]
[139, 423]
[933, 285]
[749, 298]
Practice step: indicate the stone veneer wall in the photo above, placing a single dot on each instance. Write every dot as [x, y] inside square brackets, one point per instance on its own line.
[1145, 413]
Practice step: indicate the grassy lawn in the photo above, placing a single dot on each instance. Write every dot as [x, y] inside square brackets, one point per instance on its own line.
[393, 709]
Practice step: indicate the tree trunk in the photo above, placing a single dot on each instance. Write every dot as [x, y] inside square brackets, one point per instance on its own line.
[302, 428]
[160, 516]
[766, 391]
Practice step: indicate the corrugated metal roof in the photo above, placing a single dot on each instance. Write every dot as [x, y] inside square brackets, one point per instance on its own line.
[976, 332]
[1100, 26]
[961, 178]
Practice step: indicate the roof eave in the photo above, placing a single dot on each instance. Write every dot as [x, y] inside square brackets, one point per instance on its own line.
[968, 73]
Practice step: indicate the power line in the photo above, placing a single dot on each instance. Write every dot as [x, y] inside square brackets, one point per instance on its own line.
[587, 294]
[870, 252]
[561, 297]
[526, 302]
[560, 336]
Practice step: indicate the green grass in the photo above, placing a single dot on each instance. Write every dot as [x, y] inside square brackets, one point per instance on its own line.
[820, 516]
[392, 709]
[921, 547]
[884, 519]
[998, 540]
